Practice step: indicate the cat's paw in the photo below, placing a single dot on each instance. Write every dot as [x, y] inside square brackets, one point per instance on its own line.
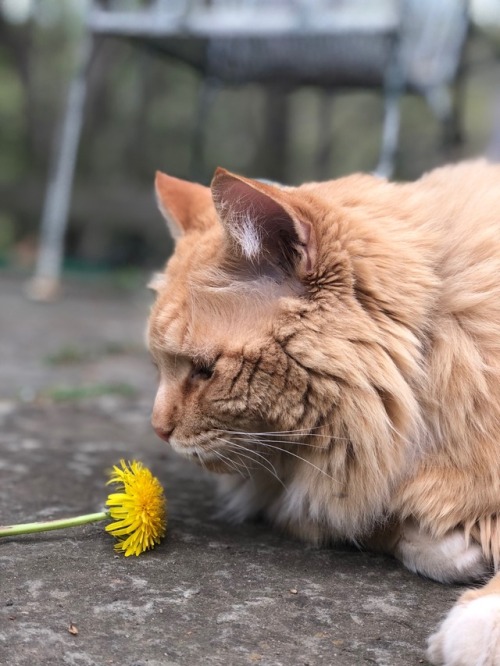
[452, 558]
[470, 634]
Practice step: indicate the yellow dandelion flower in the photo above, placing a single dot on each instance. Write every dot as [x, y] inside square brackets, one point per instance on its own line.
[138, 508]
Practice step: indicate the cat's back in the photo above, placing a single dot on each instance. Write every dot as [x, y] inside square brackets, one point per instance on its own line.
[457, 212]
[459, 207]
[459, 203]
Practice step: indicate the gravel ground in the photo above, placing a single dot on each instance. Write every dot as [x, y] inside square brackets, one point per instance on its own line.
[76, 391]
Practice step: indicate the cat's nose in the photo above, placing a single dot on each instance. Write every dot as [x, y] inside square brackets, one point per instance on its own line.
[163, 434]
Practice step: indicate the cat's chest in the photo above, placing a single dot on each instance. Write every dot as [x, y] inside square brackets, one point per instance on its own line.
[307, 502]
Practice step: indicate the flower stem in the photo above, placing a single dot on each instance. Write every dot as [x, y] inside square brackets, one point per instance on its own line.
[30, 528]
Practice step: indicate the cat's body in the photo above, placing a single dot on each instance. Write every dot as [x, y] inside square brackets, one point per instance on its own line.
[335, 350]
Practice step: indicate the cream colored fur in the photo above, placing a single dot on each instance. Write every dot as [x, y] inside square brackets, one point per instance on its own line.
[334, 349]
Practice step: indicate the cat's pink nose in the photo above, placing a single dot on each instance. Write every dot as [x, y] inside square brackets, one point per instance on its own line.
[163, 434]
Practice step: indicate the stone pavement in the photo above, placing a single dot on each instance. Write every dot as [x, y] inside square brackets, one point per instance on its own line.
[76, 389]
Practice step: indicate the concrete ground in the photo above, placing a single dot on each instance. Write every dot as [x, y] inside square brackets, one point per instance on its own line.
[76, 389]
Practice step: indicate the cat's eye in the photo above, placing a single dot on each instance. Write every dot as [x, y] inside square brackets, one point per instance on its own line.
[202, 371]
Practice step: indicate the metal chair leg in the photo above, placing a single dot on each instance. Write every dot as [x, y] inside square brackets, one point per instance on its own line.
[325, 139]
[390, 135]
[45, 284]
[208, 91]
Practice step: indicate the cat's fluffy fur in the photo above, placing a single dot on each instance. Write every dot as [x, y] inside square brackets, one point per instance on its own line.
[334, 349]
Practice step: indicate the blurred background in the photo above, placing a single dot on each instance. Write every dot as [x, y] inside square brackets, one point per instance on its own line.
[95, 96]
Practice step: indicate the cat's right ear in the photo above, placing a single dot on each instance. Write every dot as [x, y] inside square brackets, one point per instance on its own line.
[184, 205]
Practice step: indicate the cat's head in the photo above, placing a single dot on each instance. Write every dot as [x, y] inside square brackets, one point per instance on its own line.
[259, 324]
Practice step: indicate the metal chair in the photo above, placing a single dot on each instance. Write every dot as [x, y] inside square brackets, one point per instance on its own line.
[391, 45]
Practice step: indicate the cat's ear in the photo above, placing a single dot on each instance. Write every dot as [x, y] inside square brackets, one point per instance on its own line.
[184, 205]
[260, 219]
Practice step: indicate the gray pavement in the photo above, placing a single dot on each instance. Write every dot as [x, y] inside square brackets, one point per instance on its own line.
[76, 389]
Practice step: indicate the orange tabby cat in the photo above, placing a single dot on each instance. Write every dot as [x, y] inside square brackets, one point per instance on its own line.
[334, 350]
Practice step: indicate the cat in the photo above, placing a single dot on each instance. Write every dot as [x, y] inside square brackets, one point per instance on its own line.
[333, 350]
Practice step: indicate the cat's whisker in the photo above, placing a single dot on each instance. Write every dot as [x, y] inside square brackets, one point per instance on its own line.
[295, 455]
[399, 434]
[259, 455]
[256, 438]
[290, 442]
[237, 447]
[262, 440]
[202, 462]
[273, 432]
[305, 431]
[262, 460]
[237, 451]
[279, 433]
[230, 463]
[234, 464]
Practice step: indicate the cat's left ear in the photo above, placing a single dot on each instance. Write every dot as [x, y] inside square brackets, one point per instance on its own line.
[184, 205]
[260, 219]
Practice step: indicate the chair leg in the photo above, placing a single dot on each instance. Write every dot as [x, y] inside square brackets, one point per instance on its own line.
[206, 97]
[325, 139]
[456, 132]
[276, 132]
[45, 283]
[390, 135]
[446, 104]
[493, 150]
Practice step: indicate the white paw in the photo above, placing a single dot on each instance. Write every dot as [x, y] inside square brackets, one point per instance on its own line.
[470, 634]
[449, 559]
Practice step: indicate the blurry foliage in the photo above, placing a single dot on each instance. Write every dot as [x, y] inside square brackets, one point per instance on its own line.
[140, 116]
[71, 355]
[12, 127]
[92, 391]
[7, 234]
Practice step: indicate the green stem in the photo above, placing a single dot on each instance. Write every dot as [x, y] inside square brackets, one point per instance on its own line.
[30, 528]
